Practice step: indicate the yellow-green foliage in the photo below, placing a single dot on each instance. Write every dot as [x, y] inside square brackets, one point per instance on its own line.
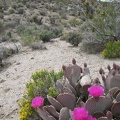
[112, 50]
[25, 109]
[43, 84]
[52, 92]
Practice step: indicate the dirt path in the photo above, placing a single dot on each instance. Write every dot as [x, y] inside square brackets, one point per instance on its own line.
[14, 78]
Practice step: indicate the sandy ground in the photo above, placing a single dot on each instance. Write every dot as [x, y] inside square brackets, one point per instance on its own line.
[14, 78]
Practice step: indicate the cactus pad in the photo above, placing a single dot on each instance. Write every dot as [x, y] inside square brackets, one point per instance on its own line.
[64, 114]
[51, 110]
[116, 109]
[96, 104]
[55, 103]
[67, 100]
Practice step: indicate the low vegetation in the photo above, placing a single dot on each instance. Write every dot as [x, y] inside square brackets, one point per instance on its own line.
[112, 50]
[74, 96]
[94, 23]
[43, 83]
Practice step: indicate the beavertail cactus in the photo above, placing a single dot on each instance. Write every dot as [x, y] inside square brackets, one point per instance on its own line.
[72, 73]
[80, 98]
[113, 78]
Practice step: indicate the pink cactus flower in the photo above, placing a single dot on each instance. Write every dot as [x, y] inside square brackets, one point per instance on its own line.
[91, 118]
[37, 102]
[81, 114]
[96, 90]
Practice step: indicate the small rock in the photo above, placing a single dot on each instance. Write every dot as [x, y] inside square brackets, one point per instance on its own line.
[6, 90]
[32, 57]
[1, 81]
[18, 63]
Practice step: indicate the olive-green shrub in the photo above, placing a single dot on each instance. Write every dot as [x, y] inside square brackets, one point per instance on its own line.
[112, 50]
[90, 43]
[43, 83]
[74, 38]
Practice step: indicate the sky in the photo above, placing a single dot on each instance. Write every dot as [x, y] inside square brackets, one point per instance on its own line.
[109, 0]
[104, 0]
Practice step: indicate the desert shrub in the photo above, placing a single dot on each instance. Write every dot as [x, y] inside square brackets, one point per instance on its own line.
[74, 38]
[20, 10]
[42, 84]
[34, 32]
[63, 14]
[43, 80]
[90, 40]
[1, 15]
[11, 10]
[64, 36]
[62, 1]
[73, 11]
[45, 35]
[54, 19]
[2, 27]
[52, 92]
[27, 40]
[111, 50]
[53, 8]
[36, 19]
[33, 5]
[20, 5]
[25, 106]
[11, 24]
[1, 6]
[37, 46]
[65, 24]
[14, 6]
[103, 19]
[32, 18]
[7, 36]
[43, 12]
[74, 22]
[57, 31]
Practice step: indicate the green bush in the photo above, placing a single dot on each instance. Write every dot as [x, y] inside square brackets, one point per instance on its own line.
[27, 39]
[45, 35]
[32, 32]
[54, 19]
[2, 26]
[90, 40]
[57, 31]
[74, 38]
[1, 6]
[11, 10]
[43, 83]
[74, 22]
[20, 10]
[112, 50]
[1, 15]
[43, 12]
[52, 92]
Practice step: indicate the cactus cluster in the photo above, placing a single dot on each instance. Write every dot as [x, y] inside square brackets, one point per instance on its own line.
[78, 90]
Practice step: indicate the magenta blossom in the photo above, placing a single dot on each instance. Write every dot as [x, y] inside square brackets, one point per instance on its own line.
[91, 118]
[81, 114]
[37, 102]
[96, 90]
